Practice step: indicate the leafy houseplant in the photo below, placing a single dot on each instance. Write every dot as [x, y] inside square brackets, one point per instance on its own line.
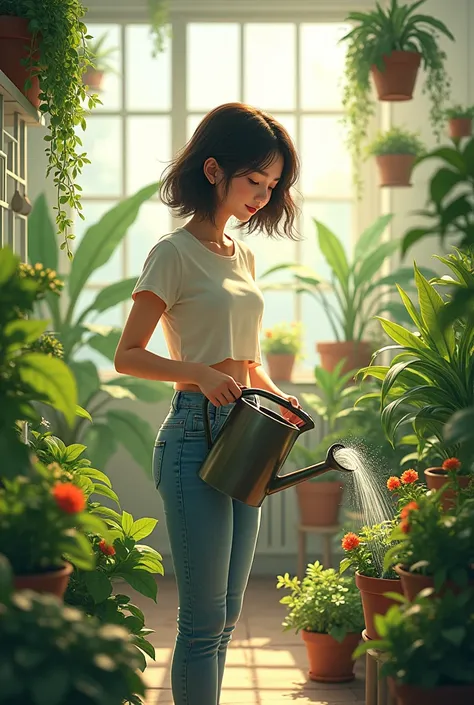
[99, 55]
[460, 121]
[111, 426]
[328, 611]
[281, 345]
[390, 44]
[395, 152]
[47, 53]
[355, 292]
[158, 11]
[429, 649]
[68, 658]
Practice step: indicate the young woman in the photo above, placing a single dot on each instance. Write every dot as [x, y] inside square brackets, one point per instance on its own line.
[200, 283]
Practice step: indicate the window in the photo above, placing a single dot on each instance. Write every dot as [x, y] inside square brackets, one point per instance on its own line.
[292, 70]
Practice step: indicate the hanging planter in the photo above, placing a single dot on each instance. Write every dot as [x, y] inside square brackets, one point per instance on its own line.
[460, 121]
[389, 45]
[395, 152]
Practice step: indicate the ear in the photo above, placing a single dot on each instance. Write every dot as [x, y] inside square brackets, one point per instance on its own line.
[211, 170]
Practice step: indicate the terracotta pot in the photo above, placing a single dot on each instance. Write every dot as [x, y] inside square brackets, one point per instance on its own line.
[329, 660]
[319, 502]
[373, 600]
[280, 367]
[436, 478]
[395, 169]
[53, 581]
[412, 584]
[460, 127]
[14, 37]
[441, 695]
[93, 79]
[398, 79]
[356, 354]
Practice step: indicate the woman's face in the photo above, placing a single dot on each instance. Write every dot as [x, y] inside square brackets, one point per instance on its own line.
[251, 192]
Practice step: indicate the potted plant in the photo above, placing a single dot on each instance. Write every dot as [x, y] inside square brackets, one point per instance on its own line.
[453, 473]
[428, 649]
[41, 53]
[68, 657]
[395, 152]
[326, 608]
[390, 44]
[460, 121]
[99, 56]
[281, 345]
[354, 293]
[433, 548]
[319, 499]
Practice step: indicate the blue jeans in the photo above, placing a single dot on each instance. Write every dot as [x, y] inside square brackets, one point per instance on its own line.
[212, 539]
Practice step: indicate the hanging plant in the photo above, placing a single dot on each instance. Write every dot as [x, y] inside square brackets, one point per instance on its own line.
[395, 152]
[51, 51]
[158, 12]
[390, 44]
[460, 121]
[100, 56]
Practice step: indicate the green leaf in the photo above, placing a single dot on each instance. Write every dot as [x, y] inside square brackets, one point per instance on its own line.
[414, 235]
[98, 585]
[94, 474]
[127, 522]
[83, 413]
[23, 332]
[101, 443]
[431, 304]
[52, 380]
[372, 264]
[140, 580]
[333, 251]
[106, 345]
[448, 155]
[410, 309]
[142, 528]
[143, 389]
[442, 183]
[101, 240]
[114, 294]
[107, 492]
[151, 563]
[135, 434]
[401, 336]
[145, 646]
[370, 237]
[459, 428]
[42, 240]
[87, 378]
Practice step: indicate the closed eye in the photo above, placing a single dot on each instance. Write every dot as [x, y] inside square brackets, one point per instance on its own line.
[256, 183]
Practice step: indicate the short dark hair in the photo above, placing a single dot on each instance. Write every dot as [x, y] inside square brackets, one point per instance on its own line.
[242, 139]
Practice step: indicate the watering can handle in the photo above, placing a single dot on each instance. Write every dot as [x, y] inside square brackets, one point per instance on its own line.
[249, 392]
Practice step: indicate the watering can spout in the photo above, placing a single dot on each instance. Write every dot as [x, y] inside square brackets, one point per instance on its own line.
[293, 478]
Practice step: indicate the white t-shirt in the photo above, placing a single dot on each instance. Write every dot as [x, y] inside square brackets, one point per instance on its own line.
[214, 308]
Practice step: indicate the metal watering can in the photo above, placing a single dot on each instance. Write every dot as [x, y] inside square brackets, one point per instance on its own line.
[248, 452]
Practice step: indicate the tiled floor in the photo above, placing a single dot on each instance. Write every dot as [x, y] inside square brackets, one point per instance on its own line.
[265, 666]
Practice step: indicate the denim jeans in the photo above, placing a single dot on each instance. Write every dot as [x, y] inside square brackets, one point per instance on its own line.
[212, 539]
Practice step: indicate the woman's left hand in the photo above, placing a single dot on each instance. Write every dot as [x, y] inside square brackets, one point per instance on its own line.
[288, 415]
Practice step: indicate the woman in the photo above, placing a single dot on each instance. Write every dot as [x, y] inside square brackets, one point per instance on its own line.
[200, 283]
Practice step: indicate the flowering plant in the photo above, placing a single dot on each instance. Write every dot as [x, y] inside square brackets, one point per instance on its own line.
[365, 551]
[406, 488]
[283, 339]
[431, 541]
[43, 523]
[323, 602]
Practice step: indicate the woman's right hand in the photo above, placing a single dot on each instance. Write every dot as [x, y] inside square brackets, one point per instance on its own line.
[219, 388]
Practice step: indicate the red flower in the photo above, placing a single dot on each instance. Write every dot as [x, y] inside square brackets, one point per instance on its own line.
[405, 526]
[350, 541]
[410, 507]
[69, 498]
[451, 464]
[393, 483]
[409, 476]
[106, 548]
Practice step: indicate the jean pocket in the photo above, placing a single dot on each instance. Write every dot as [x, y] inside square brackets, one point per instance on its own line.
[195, 425]
[158, 455]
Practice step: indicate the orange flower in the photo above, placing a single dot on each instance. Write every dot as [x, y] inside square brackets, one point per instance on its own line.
[409, 476]
[451, 464]
[106, 548]
[268, 334]
[69, 498]
[410, 507]
[393, 483]
[405, 526]
[350, 541]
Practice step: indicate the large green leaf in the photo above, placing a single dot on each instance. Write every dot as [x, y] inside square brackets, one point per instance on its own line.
[52, 380]
[371, 265]
[411, 309]
[371, 237]
[101, 240]
[135, 434]
[460, 427]
[141, 528]
[101, 444]
[400, 335]
[431, 305]
[442, 183]
[42, 239]
[333, 251]
[88, 381]
[143, 389]
[106, 344]
[21, 332]
[99, 585]
[113, 294]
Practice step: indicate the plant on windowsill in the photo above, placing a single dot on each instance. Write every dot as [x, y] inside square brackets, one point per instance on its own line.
[282, 345]
[68, 657]
[326, 608]
[99, 55]
[395, 152]
[111, 426]
[460, 121]
[353, 294]
[390, 44]
[44, 53]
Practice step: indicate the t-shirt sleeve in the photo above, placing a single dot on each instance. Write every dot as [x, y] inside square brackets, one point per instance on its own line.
[161, 274]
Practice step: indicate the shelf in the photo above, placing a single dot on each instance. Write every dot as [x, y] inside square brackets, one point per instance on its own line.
[15, 102]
